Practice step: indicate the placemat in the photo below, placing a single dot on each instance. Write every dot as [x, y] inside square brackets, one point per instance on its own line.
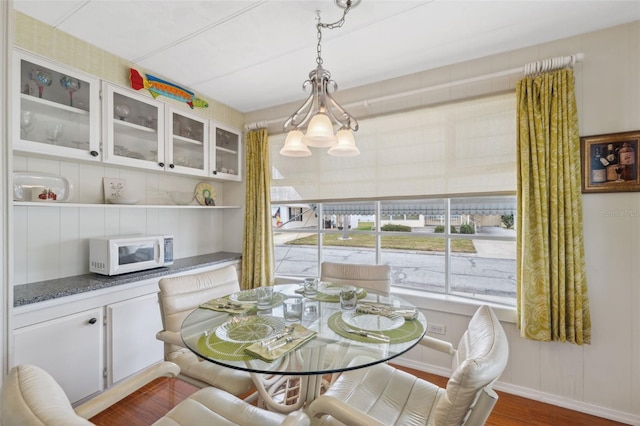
[212, 346]
[408, 331]
[333, 298]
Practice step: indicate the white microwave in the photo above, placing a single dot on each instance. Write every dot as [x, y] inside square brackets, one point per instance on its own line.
[129, 253]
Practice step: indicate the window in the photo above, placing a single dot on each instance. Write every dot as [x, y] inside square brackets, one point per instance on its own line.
[430, 186]
[295, 214]
[461, 246]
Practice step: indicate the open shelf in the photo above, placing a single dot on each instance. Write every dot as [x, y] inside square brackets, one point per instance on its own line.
[120, 206]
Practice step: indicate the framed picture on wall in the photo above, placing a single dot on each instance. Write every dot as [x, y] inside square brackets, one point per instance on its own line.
[610, 162]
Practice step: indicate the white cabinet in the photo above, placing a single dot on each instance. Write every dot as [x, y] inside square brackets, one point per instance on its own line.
[187, 143]
[133, 127]
[226, 152]
[57, 109]
[132, 345]
[70, 348]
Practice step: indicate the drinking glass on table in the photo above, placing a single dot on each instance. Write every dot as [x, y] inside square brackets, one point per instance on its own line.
[310, 287]
[264, 296]
[310, 310]
[348, 298]
[292, 309]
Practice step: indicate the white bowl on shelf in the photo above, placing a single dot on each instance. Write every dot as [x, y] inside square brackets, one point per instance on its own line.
[181, 198]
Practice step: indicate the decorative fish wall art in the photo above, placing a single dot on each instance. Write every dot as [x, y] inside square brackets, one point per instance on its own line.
[159, 87]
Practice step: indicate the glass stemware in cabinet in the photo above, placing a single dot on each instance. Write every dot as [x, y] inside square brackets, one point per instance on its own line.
[57, 109]
[42, 79]
[72, 85]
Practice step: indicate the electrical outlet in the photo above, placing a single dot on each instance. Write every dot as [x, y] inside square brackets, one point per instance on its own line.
[436, 328]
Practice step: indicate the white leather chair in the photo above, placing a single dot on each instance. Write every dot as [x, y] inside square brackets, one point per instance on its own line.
[383, 395]
[376, 278]
[31, 397]
[179, 296]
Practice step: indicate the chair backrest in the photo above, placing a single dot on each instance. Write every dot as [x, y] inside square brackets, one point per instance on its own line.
[30, 397]
[479, 361]
[371, 277]
[179, 296]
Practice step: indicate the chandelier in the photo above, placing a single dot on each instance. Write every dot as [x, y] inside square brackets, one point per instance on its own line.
[320, 112]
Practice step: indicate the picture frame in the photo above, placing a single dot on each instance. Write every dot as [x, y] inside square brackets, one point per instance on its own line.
[609, 162]
[115, 190]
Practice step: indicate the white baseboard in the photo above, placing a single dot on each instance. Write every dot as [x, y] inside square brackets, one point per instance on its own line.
[547, 398]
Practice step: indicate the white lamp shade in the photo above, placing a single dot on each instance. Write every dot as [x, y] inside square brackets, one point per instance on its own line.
[320, 132]
[346, 146]
[293, 146]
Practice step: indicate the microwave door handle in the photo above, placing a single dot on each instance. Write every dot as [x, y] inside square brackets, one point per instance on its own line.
[159, 253]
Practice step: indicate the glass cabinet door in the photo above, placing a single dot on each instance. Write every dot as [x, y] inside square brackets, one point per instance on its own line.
[57, 109]
[187, 143]
[134, 129]
[226, 153]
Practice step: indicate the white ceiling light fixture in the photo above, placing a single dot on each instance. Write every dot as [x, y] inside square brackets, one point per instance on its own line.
[320, 111]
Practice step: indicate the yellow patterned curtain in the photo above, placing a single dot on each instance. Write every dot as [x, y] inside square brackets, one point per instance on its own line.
[552, 286]
[257, 246]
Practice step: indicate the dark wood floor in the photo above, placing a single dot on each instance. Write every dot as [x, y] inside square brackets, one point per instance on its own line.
[151, 402]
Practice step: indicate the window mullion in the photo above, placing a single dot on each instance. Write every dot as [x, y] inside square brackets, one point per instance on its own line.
[447, 247]
[320, 226]
[378, 236]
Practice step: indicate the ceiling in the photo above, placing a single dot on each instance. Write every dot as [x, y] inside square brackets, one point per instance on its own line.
[253, 54]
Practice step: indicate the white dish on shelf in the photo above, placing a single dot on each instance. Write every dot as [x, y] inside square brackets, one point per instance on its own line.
[23, 182]
[128, 201]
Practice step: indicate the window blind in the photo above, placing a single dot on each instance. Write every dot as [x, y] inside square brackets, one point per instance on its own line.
[456, 148]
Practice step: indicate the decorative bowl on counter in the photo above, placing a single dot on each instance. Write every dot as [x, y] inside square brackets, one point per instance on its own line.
[181, 198]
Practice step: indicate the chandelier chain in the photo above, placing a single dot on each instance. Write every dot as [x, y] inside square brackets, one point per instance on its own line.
[332, 25]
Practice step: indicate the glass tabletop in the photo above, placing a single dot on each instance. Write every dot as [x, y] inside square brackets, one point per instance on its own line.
[330, 339]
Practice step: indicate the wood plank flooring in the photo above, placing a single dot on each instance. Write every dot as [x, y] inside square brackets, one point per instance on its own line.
[151, 402]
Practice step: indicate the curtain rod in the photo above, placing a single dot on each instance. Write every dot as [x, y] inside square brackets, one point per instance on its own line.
[531, 68]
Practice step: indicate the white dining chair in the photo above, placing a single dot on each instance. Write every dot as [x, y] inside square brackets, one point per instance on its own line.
[179, 296]
[31, 397]
[375, 278]
[383, 395]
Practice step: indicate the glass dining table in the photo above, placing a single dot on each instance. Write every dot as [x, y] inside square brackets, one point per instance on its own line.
[232, 332]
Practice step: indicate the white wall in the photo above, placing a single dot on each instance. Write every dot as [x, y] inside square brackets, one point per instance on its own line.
[602, 378]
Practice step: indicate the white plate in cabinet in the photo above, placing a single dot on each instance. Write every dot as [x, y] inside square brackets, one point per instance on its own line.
[56, 110]
[133, 128]
[225, 153]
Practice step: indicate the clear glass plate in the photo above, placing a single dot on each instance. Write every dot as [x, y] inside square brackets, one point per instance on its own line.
[250, 329]
[251, 297]
[372, 322]
[245, 296]
[332, 289]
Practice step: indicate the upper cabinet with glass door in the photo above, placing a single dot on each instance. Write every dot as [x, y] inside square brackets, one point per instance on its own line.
[133, 129]
[226, 150]
[58, 109]
[187, 143]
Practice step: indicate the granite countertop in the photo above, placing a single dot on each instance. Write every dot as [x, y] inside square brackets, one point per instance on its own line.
[25, 294]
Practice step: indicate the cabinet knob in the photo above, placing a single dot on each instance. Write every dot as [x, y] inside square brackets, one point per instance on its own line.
[161, 164]
[171, 166]
[93, 320]
[94, 153]
[215, 172]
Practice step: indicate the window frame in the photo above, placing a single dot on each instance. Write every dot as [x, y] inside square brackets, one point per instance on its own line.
[378, 234]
